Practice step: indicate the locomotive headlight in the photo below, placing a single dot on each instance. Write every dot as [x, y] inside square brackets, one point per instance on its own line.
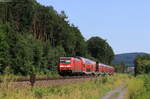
[68, 66]
[65, 66]
[61, 66]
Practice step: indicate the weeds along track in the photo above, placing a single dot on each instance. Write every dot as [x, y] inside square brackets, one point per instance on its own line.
[47, 82]
[48, 78]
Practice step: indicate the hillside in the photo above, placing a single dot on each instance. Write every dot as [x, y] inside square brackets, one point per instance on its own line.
[127, 58]
[34, 36]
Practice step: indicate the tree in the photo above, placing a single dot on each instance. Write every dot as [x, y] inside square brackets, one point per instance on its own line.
[120, 67]
[100, 49]
[142, 64]
[4, 46]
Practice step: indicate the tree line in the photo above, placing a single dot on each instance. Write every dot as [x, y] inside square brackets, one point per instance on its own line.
[33, 37]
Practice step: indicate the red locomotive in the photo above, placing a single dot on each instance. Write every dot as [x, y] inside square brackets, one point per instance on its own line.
[80, 65]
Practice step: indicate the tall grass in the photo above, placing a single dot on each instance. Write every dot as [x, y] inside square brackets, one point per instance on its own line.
[139, 87]
[92, 89]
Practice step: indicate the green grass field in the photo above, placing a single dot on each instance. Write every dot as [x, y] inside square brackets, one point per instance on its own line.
[138, 88]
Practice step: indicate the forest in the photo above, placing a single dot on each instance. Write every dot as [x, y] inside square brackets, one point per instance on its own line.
[33, 37]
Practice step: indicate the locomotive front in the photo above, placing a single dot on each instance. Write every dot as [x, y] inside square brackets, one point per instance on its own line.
[65, 65]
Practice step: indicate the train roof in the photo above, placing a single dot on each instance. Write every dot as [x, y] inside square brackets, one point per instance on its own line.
[88, 60]
[106, 65]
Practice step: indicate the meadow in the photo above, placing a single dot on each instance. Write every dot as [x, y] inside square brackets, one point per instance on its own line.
[137, 88]
[93, 89]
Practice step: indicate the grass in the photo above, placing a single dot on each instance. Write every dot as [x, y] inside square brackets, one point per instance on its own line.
[139, 87]
[93, 89]
[4, 77]
[115, 95]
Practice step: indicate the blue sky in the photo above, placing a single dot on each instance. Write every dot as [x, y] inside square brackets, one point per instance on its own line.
[125, 24]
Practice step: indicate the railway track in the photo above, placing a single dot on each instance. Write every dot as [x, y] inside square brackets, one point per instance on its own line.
[47, 78]
[46, 82]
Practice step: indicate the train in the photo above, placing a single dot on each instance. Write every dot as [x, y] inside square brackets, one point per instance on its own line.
[82, 66]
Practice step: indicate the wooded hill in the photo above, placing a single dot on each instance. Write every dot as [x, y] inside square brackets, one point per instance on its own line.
[33, 37]
[127, 58]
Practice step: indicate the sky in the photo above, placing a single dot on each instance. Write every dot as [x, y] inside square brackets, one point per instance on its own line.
[125, 24]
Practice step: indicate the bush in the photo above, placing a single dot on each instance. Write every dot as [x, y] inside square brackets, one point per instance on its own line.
[139, 88]
[142, 64]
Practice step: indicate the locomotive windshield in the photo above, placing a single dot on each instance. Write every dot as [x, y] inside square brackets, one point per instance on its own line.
[65, 60]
